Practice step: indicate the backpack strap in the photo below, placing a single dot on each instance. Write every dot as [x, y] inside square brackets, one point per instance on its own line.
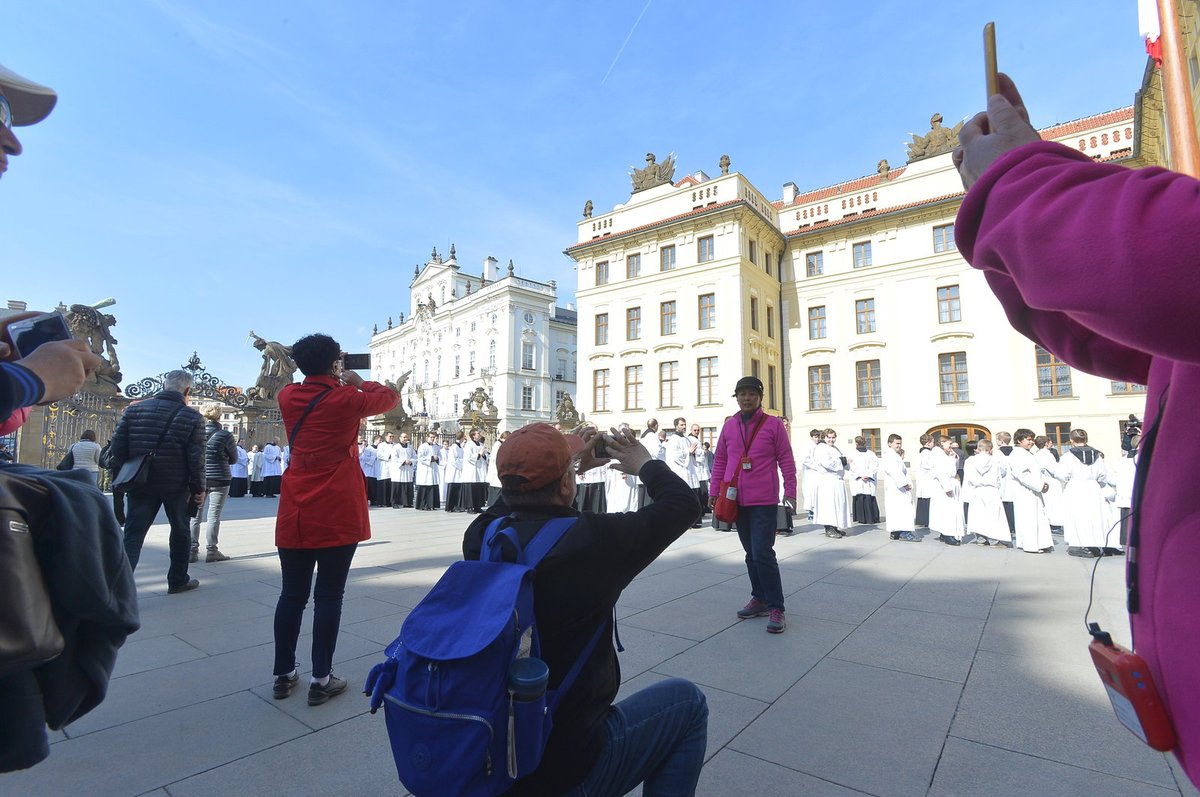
[533, 553]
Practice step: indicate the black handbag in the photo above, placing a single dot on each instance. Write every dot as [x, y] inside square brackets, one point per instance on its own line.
[68, 461]
[28, 634]
[135, 471]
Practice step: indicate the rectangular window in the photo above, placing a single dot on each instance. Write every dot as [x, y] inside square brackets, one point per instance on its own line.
[633, 323]
[952, 377]
[816, 323]
[600, 390]
[526, 397]
[770, 321]
[755, 369]
[633, 387]
[706, 381]
[633, 266]
[949, 306]
[704, 249]
[862, 254]
[1053, 375]
[1059, 434]
[526, 355]
[601, 328]
[666, 316]
[471, 363]
[819, 396]
[1122, 388]
[666, 258]
[559, 395]
[754, 252]
[602, 272]
[708, 311]
[874, 440]
[754, 313]
[668, 384]
[864, 313]
[869, 390]
[560, 371]
[771, 386]
[943, 238]
[814, 264]
[456, 359]
[767, 261]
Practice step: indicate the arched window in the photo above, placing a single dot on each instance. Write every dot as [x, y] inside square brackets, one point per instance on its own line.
[492, 354]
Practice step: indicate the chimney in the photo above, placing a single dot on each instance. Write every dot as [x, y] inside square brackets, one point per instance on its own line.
[489, 268]
[789, 193]
[16, 304]
[570, 305]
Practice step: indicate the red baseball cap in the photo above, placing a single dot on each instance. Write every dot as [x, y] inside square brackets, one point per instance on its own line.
[535, 456]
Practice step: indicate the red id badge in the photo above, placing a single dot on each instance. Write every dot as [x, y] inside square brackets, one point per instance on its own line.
[1133, 695]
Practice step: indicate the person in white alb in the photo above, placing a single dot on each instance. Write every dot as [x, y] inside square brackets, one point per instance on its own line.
[984, 474]
[863, 468]
[900, 520]
[808, 474]
[366, 461]
[830, 508]
[493, 478]
[1083, 472]
[926, 483]
[475, 464]
[678, 451]
[404, 462]
[239, 472]
[945, 503]
[1028, 488]
[383, 455]
[272, 468]
[428, 461]
[1047, 460]
[701, 466]
[1009, 490]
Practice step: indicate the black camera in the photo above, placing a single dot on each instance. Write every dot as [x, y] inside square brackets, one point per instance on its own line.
[601, 449]
[357, 362]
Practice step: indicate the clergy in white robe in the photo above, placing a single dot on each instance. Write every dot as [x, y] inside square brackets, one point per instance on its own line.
[366, 461]
[454, 474]
[272, 468]
[383, 454]
[475, 463]
[493, 478]
[701, 468]
[900, 519]
[945, 502]
[256, 472]
[404, 464]
[1086, 522]
[830, 508]
[1010, 489]
[1028, 488]
[808, 473]
[429, 456]
[926, 483]
[984, 474]
[1124, 471]
[239, 473]
[1048, 463]
[863, 467]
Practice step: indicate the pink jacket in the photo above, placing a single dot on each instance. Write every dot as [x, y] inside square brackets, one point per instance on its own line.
[770, 453]
[1100, 264]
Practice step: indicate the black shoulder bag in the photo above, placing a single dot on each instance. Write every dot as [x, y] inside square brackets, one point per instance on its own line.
[136, 471]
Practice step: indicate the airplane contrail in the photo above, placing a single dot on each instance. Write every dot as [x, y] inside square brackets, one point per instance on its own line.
[617, 57]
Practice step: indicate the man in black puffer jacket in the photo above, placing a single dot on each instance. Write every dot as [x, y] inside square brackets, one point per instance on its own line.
[219, 453]
[176, 473]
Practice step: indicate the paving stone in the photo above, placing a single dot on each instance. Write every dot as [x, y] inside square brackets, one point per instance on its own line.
[696, 616]
[1006, 703]
[921, 643]
[969, 769]
[866, 728]
[648, 591]
[731, 772]
[837, 602]
[966, 599]
[138, 655]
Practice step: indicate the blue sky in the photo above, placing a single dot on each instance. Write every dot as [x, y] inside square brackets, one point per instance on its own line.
[281, 165]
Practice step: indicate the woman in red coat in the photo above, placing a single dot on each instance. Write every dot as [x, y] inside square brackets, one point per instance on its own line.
[322, 515]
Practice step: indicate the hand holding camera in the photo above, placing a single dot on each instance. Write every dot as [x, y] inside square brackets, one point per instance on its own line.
[43, 344]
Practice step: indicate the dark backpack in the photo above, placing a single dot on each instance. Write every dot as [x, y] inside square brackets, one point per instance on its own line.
[460, 723]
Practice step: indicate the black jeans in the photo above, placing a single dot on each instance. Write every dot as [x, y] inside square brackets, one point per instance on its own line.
[332, 565]
[143, 507]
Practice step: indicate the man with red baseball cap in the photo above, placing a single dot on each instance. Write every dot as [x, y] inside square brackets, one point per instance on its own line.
[656, 736]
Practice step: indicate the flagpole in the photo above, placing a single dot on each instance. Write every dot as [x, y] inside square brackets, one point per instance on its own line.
[1181, 123]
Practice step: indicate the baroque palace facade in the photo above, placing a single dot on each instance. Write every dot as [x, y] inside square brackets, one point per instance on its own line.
[493, 332]
[850, 301]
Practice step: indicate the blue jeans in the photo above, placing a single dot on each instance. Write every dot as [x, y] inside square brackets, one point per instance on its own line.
[656, 737]
[333, 566]
[756, 530]
[143, 507]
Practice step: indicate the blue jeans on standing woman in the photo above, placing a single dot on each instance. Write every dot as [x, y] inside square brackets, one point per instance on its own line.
[333, 566]
[756, 530]
[656, 737]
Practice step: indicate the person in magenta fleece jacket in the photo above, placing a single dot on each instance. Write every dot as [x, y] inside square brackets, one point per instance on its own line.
[769, 452]
[1078, 253]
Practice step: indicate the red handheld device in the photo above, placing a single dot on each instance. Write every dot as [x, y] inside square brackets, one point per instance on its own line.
[1132, 692]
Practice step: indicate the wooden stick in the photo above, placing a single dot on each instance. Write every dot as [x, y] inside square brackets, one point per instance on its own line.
[989, 59]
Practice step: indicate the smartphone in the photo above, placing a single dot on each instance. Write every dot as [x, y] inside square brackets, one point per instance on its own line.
[991, 72]
[601, 450]
[29, 333]
[357, 362]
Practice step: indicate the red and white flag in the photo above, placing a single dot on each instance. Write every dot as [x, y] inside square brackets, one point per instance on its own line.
[1148, 25]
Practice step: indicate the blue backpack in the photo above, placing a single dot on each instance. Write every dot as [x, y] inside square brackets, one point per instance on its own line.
[458, 722]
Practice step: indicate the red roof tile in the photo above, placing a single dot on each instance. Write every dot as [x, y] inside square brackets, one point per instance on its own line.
[1087, 123]
[693, 212]
[866, 214]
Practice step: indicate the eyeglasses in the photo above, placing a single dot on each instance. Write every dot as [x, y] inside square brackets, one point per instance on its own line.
[5, 113]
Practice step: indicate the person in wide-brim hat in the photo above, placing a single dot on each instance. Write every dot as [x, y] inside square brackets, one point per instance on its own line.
[22, 102]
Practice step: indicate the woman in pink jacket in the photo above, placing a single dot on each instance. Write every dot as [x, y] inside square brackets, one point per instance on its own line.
[754, 446]
[1099, 264]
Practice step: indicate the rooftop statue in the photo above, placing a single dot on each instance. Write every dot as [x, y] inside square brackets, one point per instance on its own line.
[654, 174]
[937, 141]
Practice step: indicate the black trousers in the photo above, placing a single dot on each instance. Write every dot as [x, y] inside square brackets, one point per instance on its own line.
[143, 508]
[922, 516]
[297, 564]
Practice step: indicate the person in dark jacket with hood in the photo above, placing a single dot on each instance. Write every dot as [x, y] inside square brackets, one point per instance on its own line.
[219, 453]
[176, 472]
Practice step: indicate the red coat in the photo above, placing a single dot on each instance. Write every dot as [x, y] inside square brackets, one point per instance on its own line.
[323, 502]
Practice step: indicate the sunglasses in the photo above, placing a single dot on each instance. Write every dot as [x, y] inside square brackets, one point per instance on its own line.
[5, 112]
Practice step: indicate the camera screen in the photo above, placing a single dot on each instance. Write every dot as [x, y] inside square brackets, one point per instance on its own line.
[28, 335]
[357, 362]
